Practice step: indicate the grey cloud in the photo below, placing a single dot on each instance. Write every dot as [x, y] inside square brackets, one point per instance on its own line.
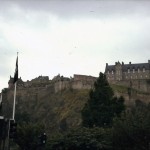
[76, 9]
[35, 14]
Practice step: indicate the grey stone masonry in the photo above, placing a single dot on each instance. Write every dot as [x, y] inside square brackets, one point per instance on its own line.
[121, 71]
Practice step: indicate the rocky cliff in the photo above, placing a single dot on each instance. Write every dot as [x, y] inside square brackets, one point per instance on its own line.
[59, 110]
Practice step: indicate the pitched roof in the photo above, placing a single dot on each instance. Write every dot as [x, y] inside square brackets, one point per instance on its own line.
[110, 68]
[136, 66]
[130, 66]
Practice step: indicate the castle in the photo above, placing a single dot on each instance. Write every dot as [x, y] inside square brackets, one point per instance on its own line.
[129, 71]
[57, 84]
[135, 75]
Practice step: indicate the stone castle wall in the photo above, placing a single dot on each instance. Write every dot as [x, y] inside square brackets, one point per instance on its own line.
[61, 85]
[82, 84]
[78, 77]
[140, 85]
[79, 84]
[58, 83]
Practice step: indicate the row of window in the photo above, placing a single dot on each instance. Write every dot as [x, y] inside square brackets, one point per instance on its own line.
[137, 70]
[133, 71]
[135, 77]
[131, 77]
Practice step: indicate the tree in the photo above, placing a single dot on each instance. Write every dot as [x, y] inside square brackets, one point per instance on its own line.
[22, 117]
[102, 106]
[83, 139]
[27, 135]
[132, 130]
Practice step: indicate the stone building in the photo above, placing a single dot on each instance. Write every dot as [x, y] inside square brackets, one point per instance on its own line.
[40, 79]
[121, 71]
[77, 82]
[19, 82]
[78, 77]
[60, 78]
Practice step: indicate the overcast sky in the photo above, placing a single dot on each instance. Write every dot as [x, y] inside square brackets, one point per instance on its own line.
[71, 37]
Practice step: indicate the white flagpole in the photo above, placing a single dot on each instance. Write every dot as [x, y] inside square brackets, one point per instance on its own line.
[15, 80]
[1, 101]
[14, 104]
[1, 98]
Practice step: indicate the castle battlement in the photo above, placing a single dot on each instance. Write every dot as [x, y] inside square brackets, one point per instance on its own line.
[58, 83]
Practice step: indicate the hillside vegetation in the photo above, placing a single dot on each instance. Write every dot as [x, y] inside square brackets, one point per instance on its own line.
[80, 119]
[58, 111]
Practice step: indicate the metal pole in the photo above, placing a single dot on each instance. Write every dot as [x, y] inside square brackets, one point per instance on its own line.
[8, 142]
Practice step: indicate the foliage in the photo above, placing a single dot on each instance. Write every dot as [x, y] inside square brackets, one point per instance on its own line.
[83, 139]
[22, 117]
[102, 106]
[4, 90]
[27, 135]
[27, 132]
[132, 131]
[119, 88]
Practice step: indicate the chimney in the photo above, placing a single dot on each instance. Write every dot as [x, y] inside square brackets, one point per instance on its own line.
[149, 61]
[130, 62]
[122, 63]
[106, 67]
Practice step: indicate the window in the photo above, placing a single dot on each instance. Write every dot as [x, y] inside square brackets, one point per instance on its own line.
[128, 70]
[108, 72]
[133, 70]
[143, 69]
[118, 72]
[112, 72]
[138, 70]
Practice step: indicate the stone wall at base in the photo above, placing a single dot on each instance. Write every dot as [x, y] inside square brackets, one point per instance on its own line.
[140, 85]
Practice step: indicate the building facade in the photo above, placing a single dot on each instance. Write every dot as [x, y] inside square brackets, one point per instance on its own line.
[121, 71]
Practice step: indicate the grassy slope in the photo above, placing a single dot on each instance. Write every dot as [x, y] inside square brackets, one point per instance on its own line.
[58, 111]
[62, 110]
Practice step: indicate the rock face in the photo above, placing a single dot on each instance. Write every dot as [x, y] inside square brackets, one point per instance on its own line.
[58, 102]
[58, 111]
